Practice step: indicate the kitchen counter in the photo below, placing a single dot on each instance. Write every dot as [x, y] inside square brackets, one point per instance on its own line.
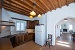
[17, 39]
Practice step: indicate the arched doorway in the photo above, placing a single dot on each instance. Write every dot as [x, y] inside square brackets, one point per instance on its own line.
[63, 33]
[55, 16]
[67, 26]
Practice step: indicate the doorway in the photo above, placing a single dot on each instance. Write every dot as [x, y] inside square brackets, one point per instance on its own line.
[63, 31]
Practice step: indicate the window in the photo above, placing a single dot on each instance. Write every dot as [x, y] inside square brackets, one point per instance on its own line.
[20, 26]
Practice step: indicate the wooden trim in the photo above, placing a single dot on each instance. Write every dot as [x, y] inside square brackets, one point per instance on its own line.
[18, 19]
[7, 21]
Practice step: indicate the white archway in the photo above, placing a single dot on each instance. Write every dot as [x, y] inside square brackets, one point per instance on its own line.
[56, 15]
[69, 21]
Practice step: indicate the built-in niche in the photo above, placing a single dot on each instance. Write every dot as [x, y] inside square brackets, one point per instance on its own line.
[64, 30]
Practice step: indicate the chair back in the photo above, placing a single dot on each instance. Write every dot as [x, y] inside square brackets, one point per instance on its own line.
[49, 36]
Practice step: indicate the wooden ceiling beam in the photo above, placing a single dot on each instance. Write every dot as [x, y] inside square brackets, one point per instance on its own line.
[31, 5]
[48, 4]
[17, 6]
[38, 4]
[59, 3]
[24, 5]
[67, 2]
[45, 5]
[41, 5]
[13, 10]
[71, 1]
[51, 4]
[11, 7]
[55, 3]
[52, 1]
[63, 2]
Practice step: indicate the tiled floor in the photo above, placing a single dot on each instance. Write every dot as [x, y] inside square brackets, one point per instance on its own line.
[62, 43]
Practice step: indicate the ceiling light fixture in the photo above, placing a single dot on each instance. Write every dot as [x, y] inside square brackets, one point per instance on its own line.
[31, 16]
[65, 19]
[39, 15]
[33, 13]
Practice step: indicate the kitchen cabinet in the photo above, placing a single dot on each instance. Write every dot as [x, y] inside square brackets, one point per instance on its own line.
[0, 29]
[31, 24]
[21, 38]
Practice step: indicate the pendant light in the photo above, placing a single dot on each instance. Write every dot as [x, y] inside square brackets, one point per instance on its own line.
[33, 13]
[65, 20]
[31, 16]
[39, 15]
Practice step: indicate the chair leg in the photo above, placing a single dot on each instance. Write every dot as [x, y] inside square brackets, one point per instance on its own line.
[49, 45]
[46, 44]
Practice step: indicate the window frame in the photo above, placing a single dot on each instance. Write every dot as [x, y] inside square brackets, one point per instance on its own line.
[20, 26]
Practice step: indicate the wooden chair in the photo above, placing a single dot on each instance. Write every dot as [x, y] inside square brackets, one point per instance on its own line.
[49, 40]
[73, 37]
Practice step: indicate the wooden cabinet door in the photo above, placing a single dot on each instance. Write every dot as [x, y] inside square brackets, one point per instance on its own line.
[28, 24]
[36, 22]
[31, 24]
[0, 29]
[25, 37]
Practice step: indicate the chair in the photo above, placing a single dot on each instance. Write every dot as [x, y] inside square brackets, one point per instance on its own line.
[49, 40]
[73, 37]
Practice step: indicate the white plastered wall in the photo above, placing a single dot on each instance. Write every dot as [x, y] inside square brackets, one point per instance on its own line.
[55, 16]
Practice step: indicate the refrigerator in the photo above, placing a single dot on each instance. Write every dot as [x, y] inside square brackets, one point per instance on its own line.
[40, 36]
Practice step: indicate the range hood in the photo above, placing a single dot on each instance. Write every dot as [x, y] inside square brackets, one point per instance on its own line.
[2, 22]
[7, 23]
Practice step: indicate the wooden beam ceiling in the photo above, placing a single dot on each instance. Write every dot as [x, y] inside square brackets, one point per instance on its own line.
[31, 5]
[38, 4]
[26, 6]
[44, 4]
